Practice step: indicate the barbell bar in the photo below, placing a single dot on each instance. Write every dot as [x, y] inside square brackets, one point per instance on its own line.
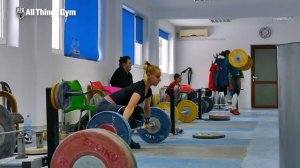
[160, 125]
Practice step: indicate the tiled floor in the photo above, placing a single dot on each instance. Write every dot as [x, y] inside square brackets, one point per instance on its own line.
[251, 142]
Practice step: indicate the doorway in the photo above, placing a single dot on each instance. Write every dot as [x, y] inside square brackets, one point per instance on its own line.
[264, 85]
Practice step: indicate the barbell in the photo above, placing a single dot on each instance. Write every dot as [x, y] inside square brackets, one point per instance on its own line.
[186, 110]
[103, 148]
[160, 125]
[238, 58]
[62, 93]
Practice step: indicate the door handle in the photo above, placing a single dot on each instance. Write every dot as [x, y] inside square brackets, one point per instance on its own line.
[253, 78]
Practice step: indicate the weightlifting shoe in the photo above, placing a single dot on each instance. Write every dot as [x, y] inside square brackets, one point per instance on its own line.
[235, 111]
[134, 145]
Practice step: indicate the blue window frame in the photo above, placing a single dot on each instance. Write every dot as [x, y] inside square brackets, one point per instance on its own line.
[128, 34]
[163, 34]
[132, 36]
[81, 31]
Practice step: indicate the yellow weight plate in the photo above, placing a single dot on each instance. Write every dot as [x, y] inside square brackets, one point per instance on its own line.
[238, 58]
[248, 65]
[52, 95]
[55, 96]
[155, 99]
[187, 111]
[165, 106]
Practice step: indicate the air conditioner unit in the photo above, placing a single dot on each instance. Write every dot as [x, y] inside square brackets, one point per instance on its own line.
[193, 33]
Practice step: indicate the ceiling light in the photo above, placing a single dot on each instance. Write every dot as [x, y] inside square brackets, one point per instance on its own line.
[202, 0]
[283, 18]
[220, 20]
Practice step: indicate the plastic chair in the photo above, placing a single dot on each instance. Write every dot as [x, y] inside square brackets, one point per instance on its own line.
[80, 102]
[97, 93]
[97, 85]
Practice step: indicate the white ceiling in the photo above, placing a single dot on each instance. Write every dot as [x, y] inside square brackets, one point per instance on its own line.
[190, 13]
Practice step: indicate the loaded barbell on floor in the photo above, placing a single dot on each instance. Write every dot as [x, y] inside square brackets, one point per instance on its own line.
[109, 150]
[62, 93]
[160, 125]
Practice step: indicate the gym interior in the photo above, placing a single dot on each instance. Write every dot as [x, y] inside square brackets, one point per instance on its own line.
[48, 47]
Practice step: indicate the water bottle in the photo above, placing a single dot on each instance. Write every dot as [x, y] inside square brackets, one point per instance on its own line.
[27, 125]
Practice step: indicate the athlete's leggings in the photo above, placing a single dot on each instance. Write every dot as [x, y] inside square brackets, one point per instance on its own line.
[236, 85]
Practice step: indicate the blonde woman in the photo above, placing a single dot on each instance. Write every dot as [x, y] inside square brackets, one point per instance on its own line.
[126, 101]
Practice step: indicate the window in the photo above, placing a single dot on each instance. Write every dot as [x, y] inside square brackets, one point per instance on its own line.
[163, 51]
[138, 41]
[80, 36]
[57, 26]
[132, 36]
[2, 21]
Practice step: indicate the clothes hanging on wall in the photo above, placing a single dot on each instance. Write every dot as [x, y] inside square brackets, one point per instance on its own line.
[218, 78]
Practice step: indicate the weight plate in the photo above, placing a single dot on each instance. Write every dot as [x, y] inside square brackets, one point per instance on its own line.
[192, 95]
[155, 99]
[204, 105]
[187, 110]
[165, 106]
[108, 127]
[64, 102]
[220, 117]
[53, 95]
[7, 141]
[160, 129]
[113, 119]
[106, 146]
[210, 103]
[238, 58]
[211, 135]
[248, 65]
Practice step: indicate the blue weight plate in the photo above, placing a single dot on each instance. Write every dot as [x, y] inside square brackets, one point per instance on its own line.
[112, 118]
[161, 129]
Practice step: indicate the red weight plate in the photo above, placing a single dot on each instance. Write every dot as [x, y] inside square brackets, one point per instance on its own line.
[108, 127]
[102, 144]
